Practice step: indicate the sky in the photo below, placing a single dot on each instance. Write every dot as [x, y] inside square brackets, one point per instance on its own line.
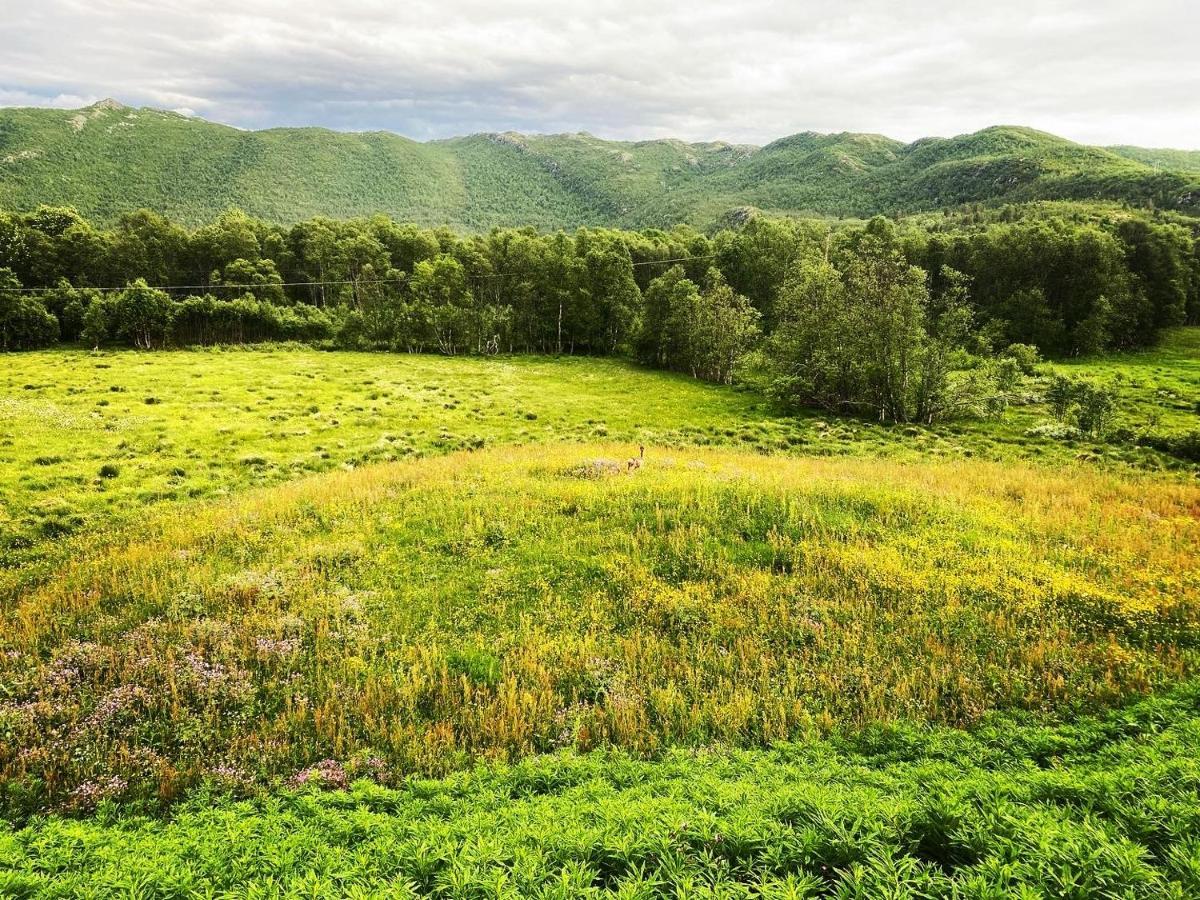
[746, 71]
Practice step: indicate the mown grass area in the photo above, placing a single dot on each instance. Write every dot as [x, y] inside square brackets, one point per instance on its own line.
[1104, 807]
[418, 617]
[88, 438]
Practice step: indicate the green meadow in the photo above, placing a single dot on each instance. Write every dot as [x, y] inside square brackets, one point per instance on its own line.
[279, 622]
[86, 437]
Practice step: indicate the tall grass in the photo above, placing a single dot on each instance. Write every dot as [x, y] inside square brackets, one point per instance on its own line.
[417, 617]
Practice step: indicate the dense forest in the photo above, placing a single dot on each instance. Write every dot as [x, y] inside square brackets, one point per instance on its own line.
[107, 160]
[874, 316]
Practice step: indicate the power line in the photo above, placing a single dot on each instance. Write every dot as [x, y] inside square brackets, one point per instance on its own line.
[331, 283]
[212, 287]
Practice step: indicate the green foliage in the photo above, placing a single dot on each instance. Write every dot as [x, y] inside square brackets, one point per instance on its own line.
[1094, 408]
[1025, 356]
[108, 160]
[139, 316]
[1059, 282]
[705, 333]
[25, 323]
[1060, 395]
[1091, 405]
[440, 285]
[725, 328]
[1102, 807]
[1178, 160]
[1068, 286]
[258, 278]
[666, 303]
[869, 339]
[1185, 445]
[68, 305]
[207, 320]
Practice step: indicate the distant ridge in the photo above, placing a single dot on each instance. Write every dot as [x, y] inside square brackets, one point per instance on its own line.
[108, 159]
[1178, 160]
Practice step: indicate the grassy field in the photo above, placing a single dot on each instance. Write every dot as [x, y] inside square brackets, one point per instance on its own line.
[86, 438]
[784, 656]
[1159, 388]
[502, 603]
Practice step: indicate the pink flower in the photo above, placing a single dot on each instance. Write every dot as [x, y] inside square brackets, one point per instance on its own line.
[327, 774]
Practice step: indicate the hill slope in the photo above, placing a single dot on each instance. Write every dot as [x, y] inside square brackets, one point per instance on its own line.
[1161, 158]
[108, 159]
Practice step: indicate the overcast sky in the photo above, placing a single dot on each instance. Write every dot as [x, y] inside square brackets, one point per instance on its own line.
[739, 70]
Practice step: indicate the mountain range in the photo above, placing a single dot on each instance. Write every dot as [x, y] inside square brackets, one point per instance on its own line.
[108, 159]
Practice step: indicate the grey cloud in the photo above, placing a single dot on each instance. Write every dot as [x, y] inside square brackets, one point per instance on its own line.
[1101, 71]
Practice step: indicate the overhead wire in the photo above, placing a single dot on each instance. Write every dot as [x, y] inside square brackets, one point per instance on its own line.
[326, 283]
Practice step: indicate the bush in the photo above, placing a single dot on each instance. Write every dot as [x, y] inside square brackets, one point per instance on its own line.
[141, 315]
[209, 320]
[68, 304]
[1094, 408]
[1060, 395]
[1026, 357]
[138, 315]
[25, 323]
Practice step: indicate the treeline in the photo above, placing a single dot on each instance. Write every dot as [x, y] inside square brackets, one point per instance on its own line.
[1073, 287]
[677, 299]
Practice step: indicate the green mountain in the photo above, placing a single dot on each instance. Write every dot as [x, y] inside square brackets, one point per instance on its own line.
[1178, 160]
[108, 159]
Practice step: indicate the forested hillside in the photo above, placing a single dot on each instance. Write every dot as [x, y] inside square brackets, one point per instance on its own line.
[109, 159]
[1179, 160]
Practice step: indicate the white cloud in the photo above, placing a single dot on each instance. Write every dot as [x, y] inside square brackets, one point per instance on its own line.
[1101, 71]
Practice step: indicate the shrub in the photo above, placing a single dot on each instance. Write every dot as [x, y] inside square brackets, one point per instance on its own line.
[208, 320]
[1026, 357]
[141, 315]
[25, 323]
[1060, 395]
[1094, 408]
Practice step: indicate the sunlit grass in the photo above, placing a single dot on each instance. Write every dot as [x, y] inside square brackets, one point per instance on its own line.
[265, 572]
[501, 603]
[88, 439]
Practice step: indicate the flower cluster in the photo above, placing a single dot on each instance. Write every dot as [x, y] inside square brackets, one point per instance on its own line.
[327, 774]
[277, 646]
[125, 698]
[89, 794]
